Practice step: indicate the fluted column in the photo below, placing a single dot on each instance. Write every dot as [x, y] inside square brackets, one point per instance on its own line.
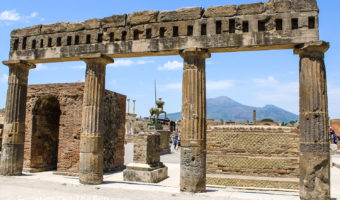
[12, 154]
[91, 139]
[193, 135]
[314, 142]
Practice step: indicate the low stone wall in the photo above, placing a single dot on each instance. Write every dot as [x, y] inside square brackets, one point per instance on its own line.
[70, 99]
[253, 156]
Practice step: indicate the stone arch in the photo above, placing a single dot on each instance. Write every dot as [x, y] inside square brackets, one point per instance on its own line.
[45, 133]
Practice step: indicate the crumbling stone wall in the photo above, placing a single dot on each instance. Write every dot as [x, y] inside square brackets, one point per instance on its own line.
[238, 151]
[2, 121]
[70, 97]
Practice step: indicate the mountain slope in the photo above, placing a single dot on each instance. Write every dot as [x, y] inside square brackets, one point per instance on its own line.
[228, 109]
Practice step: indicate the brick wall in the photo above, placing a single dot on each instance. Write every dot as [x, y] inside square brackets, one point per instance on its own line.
[70, 97]
[253, 151]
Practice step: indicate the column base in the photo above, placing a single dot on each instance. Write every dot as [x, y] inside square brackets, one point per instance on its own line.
[314, 176]
[193, 177]
[91, 168]
[12, 159]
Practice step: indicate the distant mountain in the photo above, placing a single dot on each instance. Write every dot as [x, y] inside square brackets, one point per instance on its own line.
[228, 109]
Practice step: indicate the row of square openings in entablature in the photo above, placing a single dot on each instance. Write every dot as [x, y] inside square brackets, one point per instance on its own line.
[162, 32]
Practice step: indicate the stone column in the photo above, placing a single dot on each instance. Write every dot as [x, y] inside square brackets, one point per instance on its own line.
[193, 136]
[314, 142]
[14, 128]
[128, 106]
[91, 139]
[133, 110]
[254, 117]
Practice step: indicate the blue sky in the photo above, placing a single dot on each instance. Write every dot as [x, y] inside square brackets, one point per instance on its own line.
[252, 78]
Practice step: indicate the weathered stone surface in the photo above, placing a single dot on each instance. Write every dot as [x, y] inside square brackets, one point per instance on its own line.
[92, 24]
[70, 98]
[114, 21]
[146, 166]
[193, 137]
[33, 30]
[142, 17]
[75, 26]
[249, 9]
[280, 6]
[54, 28]
[269, 152]
[181, 14]
[221, 11]
[12, 154]
[314, 141]
[153, 176]
[91, 153]
[304, 5]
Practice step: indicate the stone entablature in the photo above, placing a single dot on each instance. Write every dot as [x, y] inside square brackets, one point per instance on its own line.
[277, 24]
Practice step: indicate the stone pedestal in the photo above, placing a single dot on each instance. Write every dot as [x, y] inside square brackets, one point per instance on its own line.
[193, 137]
[314, 142]
[164, 141]
[146, 166]
[91, 139]
[14, 127]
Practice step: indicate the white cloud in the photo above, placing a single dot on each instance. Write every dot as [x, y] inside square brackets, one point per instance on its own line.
[4, 78]
[10, 15]
[171, 65]
[33, 14]
[268, 82]
[40, 67]
[128, 62]
[219, 85]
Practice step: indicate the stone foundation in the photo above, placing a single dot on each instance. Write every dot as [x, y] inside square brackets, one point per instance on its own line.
[68, 100]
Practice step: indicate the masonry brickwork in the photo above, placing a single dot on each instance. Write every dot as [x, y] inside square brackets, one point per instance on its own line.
[238, 152]
[70, 98]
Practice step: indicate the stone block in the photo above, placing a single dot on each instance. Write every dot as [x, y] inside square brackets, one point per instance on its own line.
[153, 176]
[92, 24]
[54, 28]
[221, 11]
[114, 21]
[146, 148]
[181, 14]
[33, 30]
[142, 17]
[304, 5]
[250, 9]
[75, 26]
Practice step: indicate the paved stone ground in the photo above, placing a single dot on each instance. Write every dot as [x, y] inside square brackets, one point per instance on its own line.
[46, 186]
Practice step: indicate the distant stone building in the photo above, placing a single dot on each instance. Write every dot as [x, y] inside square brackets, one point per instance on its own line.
[335, 124]
[53, 127]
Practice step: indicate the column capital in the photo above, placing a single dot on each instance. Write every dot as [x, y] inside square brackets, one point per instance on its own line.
[96, 58]
[19, 63]
[312, 49]
[204, 53]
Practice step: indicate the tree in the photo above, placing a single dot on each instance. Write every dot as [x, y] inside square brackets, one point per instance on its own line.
[267, 120]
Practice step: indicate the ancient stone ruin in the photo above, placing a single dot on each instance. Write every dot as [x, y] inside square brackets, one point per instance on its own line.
[253, 156]
[147, 166]
[53, 127]
[192, 33]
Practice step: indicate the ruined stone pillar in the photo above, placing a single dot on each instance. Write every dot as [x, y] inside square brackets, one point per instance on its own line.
[133, 107]
[128, 106]
[193, 136]
[314, 142]
[91, 138]
[14, 128]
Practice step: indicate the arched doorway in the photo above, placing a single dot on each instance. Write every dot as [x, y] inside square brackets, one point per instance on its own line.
[45, 133]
